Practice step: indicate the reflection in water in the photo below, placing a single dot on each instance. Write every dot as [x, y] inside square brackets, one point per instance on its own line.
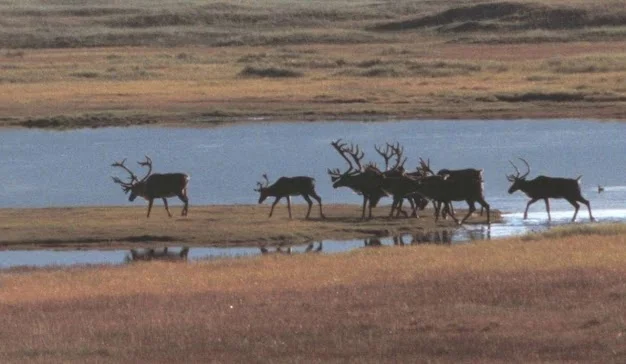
[153, 254]
[290, 249]
[442, 237]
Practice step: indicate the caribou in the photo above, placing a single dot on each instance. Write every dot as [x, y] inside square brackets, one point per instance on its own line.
[401, 187]
[397, 182]
[467, 182]
[155, 185]
[363, 181]
[289, 186]
[544, 188]
[445, 190]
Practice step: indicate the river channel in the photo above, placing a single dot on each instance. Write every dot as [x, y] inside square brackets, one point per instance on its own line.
[41, 168]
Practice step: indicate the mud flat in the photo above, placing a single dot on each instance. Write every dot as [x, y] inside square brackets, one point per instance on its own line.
[234, 225]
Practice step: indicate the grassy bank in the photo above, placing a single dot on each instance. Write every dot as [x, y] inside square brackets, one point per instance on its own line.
[127, 227]
[207, 63]
[555, 299]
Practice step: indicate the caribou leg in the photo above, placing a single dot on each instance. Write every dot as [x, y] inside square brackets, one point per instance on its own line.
[485, 205]
[289, 205]
[397, 206]
[576, 207]
[528, 205]
[548, 208]
[470, 210]
[274, 204]
[166, 207]
[437, 206]
[448, 206]
[184, 199]
[319, 202]
[364, 204]
[150, 201]
[308, 201]
[586, 202]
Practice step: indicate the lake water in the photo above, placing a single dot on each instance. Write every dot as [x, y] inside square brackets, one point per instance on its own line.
[72, 168]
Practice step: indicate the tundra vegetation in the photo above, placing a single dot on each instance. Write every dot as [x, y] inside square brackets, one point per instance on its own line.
[66, 64]
[553, 297]
[557, 297]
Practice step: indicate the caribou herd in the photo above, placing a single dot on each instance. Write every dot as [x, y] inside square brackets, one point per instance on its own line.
[419, 187]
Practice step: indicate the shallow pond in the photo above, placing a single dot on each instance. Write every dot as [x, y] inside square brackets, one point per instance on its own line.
[72, 168]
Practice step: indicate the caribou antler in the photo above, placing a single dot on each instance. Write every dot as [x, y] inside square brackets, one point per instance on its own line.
[398, 151]
[126, 186]
[387, 154]
[335, 172]
[357, 155]
[133, 178]
[341, 149]
[261, 185]
[425, 167]
[354, 152]
[512, 178]
[147, 162]
[527, 167]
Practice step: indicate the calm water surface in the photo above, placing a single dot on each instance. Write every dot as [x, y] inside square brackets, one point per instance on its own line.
[72, 168]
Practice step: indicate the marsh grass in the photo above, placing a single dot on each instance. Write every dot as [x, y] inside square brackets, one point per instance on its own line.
[579, 230]
[558, 299]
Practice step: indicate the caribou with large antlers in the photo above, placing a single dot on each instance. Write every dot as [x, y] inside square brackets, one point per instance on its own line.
[155, 185]
[289, 186]
[364, 181]
[543, 188]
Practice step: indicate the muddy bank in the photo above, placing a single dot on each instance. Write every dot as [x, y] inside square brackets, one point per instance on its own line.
[218, 226]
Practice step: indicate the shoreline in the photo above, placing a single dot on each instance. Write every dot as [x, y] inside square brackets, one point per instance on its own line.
[113, 227]
[195, 121]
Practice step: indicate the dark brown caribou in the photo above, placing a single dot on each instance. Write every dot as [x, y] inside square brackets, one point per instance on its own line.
[363, 181]
[445, 190]
[289, 186]
[397, 182]
[468, 181]
[157, 185]
[544, 188]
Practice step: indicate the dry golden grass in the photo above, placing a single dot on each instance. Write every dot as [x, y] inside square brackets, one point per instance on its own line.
[112, 68]
[511, 300]
[115, 227]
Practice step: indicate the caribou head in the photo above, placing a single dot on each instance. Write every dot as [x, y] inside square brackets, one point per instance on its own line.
[135, 186]
[517, 180]
[262, 189]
